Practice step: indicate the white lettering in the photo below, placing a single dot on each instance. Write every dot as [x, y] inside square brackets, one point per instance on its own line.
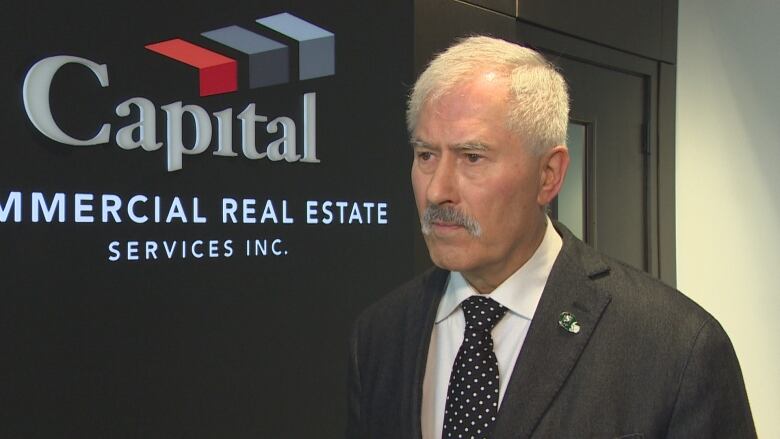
[146, 126]
[131, 209]
[169, 249]
[229, 207]
[151, 250]
[110, 205]
[225, 133]
[284, 147]
[35, 92]
[115, 254]
[196, 217]
[286, 219]
[195, 246]
[346, 212]
[12, 203]
[176, 211]
[354, 215]
[248, 119]
[249, 211]
[132, 250]
[269, 213]
[328, 213]
[175, 147]
[156, 209]
[311, 212]
[143, 131]
[275, 247]
[39, 204]
[310, 128]
[83, 206]
[368, 205]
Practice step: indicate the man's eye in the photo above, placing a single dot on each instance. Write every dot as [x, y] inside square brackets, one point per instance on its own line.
[473, 158]
[424, 155]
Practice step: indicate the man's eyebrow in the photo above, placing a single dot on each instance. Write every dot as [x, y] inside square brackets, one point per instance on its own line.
[417, 143]
[471, 146]
[466, 146]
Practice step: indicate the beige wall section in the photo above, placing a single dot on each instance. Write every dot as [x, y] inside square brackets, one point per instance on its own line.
[728, 182]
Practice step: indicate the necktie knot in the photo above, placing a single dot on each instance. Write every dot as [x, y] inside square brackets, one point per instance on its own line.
[482, 313]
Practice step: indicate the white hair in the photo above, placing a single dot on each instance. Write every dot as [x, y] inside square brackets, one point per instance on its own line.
[537, 94]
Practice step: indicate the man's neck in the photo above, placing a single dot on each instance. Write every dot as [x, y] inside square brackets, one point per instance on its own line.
[487, 279]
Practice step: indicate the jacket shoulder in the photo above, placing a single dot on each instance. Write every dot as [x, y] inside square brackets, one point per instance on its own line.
[642, 297]
[641, 300]
[405, 301]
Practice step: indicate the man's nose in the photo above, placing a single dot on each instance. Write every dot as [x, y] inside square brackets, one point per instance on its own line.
[442, 188]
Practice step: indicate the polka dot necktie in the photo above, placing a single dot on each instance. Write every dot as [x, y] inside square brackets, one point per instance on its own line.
[472, 395]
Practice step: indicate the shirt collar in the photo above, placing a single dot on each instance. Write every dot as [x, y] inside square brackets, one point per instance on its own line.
[520, 292]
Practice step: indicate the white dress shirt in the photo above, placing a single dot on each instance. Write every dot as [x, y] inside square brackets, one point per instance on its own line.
[520, 293]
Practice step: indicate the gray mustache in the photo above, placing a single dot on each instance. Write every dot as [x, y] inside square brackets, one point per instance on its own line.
[449, 215]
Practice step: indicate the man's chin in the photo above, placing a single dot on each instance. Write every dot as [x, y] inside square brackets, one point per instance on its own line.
[450, 259]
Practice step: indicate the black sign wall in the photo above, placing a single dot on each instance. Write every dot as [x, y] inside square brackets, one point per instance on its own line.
[187, 231]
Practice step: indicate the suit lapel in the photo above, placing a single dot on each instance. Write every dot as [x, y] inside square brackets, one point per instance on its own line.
[421, 318]
[550, 352]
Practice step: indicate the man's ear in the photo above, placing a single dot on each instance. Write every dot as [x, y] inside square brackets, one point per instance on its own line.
[553, 166]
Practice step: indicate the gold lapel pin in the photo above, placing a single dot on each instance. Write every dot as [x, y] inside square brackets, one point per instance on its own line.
[568, 322]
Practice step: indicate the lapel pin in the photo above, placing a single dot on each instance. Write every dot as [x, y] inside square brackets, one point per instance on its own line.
[568, 322]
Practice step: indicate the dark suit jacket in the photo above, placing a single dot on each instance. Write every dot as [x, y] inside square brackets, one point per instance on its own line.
[647, 362]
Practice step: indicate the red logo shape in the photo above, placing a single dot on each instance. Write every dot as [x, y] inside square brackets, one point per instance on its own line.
[217, 73]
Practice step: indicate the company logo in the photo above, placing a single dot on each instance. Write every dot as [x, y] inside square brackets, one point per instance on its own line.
[268, 64]
[268, 60]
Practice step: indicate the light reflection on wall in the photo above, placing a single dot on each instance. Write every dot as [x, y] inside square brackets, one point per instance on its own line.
[571, 200]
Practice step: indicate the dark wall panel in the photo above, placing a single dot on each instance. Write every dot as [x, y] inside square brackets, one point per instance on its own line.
[644, 27]
[508, 7]
[132, 329]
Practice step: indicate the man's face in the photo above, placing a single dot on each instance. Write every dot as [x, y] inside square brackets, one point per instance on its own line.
[467, 160]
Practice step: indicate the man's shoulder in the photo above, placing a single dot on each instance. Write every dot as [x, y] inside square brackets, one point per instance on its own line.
[646, 317]
[636, 298]
[649, 295]
[652, 358]
[644, 307]
[410, 296]
[389, 329]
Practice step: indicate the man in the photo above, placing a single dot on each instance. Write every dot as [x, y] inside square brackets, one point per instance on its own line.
[522, 330]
